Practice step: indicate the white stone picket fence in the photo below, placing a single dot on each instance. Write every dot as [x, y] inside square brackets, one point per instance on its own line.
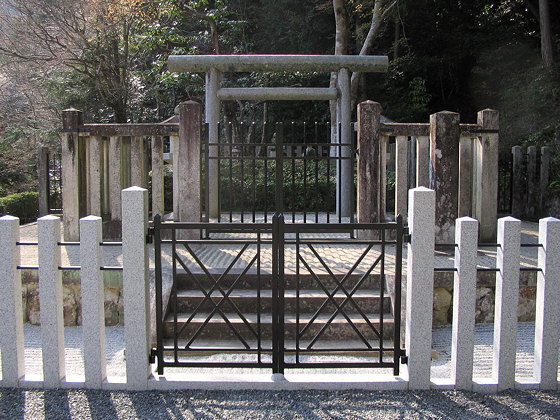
[418, 324]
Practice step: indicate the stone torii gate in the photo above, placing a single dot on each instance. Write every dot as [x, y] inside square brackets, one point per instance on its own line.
[344, 65]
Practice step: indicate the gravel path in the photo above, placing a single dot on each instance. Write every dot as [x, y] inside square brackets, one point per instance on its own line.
[88, 404]
[82, 404]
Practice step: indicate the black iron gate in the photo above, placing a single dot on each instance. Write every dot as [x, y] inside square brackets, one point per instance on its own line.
[278, 295]
[293, 170]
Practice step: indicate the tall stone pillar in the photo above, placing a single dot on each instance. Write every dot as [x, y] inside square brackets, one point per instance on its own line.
[444, 174]
[212, 114]
[369, 197]
[345, 172]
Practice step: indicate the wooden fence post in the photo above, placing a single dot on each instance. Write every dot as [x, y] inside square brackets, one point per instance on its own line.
[519, 186]
[532, 187]
[444, 154]
[43, 174]
[187, 153]
[487, 180]
[369, 198]
[544, 179]
[157, 176]
[72, 119]
[401, 177]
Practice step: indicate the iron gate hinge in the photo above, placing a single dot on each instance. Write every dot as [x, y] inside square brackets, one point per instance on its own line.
[404, 359]
[152, 356]
[150, 236]
[407, 238]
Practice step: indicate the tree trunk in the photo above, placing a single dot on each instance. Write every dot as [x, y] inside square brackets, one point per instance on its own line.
[340, 48]
[546, 38]
[380, 11]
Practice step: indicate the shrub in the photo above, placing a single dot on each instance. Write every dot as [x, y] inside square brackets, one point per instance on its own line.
[24, 205]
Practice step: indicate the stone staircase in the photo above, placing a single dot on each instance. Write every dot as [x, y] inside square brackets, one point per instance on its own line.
[252, 296]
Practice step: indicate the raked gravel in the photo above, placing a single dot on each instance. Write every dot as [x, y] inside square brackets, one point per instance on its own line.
[89, 404]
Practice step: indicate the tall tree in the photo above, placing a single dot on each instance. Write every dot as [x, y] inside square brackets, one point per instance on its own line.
[546, 36]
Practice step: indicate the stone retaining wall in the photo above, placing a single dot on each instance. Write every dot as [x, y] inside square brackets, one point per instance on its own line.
[72, 298]
[485, 292]
[442, 307]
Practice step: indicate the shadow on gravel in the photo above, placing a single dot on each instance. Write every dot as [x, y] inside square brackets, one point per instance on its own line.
[82, 404]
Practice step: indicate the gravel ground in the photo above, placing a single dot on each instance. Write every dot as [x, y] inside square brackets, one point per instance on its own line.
[82, 404]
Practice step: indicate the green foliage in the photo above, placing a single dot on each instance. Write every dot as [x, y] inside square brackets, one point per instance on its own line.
[18, 159]
[308, 185]
[23, 205]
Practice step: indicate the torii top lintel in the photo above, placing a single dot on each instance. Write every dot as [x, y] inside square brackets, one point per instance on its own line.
[278, 63]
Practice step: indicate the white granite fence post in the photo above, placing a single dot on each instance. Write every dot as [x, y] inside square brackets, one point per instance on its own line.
[50, 296]
[11, 327]
[464, 300]
[507, 297]
[420, 286]
[547, 315]
[93, 312]
[135, 286]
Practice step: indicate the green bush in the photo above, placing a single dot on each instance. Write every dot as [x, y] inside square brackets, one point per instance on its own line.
[24, 205]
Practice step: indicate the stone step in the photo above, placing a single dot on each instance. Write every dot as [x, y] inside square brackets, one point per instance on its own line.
[309, 301]
[251, 280]
[329, 350]
[217, 327]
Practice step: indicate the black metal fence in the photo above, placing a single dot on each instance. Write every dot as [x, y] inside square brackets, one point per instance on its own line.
[505, 184]
[54, 181]
[279, 298]
[293, 171]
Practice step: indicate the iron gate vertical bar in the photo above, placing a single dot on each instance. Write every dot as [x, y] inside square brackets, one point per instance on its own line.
[254, 160]
[353, 161]
[293, 157]
[242, 163]
[279, 176]
[174, 294]
[265, 186]
[159, 297]
[339, 173]
[259, 287]
[304, 172]
[397, 304]
[206, 140]
[329, 176]
[281, 290]
[275, 275]
[382, 294]
[298, 285]
[219, 165]
[316, 174]
[229, 140]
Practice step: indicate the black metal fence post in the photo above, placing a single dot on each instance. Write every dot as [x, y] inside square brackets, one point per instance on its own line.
[159, 297]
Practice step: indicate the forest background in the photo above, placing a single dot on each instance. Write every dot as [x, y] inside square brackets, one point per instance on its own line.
[108, 58]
